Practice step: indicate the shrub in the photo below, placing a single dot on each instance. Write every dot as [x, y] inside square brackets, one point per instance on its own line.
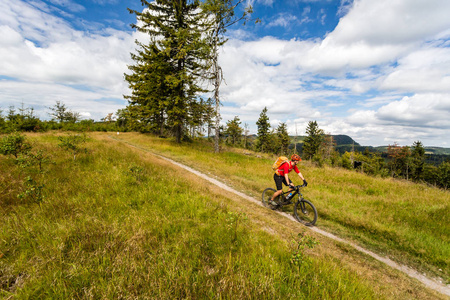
[14, 144]
[72, 143]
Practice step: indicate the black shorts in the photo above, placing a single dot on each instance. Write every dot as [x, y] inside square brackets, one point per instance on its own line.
[279, 180]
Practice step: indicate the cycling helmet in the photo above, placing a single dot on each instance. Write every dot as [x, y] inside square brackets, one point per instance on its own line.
[295, 157]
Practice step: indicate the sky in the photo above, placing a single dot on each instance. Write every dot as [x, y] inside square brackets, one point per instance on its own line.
[378, 71]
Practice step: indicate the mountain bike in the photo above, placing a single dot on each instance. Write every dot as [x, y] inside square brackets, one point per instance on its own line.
[304, 211]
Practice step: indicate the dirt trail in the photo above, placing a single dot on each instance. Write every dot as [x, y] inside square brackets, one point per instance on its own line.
[434, 284]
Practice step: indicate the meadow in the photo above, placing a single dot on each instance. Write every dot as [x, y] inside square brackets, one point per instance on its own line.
[119, 223]
[407, 221]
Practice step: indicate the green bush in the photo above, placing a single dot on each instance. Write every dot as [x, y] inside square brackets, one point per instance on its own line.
[14, 144]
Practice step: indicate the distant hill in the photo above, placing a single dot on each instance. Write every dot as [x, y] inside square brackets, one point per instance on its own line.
[428, 150]
[339, 139]
[345, 143]
[437, 150]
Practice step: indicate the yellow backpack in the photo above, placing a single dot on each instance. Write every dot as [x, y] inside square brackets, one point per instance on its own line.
[280, 160]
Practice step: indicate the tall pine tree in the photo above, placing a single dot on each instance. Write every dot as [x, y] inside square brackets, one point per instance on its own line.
[149, 99]
[263, 131]
[313, 141]
[165, 79]
[283, 138]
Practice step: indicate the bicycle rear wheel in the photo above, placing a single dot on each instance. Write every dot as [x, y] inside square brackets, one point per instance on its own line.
[266, 196]
[305, 212]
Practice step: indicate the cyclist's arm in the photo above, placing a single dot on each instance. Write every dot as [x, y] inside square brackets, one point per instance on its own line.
[299, 173]
[287, 179]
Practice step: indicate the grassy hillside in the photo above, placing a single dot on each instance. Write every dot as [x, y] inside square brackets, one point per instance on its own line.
[408, 221]
[118, 222]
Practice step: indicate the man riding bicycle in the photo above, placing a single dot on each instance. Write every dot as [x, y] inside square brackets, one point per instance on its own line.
[281, 176]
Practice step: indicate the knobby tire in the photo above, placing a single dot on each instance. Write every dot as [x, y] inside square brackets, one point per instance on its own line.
[267, 195]
[305, 212]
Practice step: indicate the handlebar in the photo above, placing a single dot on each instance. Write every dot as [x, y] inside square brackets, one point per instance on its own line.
[298, 186]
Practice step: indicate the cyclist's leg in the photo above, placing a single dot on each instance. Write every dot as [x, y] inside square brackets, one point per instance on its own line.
[279, 183]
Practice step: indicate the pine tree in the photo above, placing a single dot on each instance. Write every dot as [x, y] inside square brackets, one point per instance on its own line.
[167, 71]
[263, 131]
[148, 101]
[417, 160]
[283, 138]
[313, 141]
[234, 130]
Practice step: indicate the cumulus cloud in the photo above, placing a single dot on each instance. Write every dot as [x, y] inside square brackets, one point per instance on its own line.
[53, 61]
[424, 70]
[382, 75]
[420, 110]
[392, 22]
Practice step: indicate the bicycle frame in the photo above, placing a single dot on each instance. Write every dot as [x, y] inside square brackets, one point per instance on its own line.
[295, 191]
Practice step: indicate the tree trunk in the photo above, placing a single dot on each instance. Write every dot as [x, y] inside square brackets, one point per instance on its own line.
[217, 80]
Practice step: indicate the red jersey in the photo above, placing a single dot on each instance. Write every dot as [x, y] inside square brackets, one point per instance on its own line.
[286, 168]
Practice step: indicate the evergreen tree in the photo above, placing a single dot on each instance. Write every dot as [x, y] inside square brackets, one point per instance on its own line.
[263, 131]
[313, 141]
[148, 101]
[234, 130]
[417, 160]
[198, 116]
[2, 120]
[283, 139]
[444, 175]
[24, 120]
[165, 78]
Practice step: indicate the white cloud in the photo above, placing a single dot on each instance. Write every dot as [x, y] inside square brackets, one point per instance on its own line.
[392, 22]
[382, 75]
[420, 110]
[54, 62]
[424, 70]
[387, 49]
[70, 5]
[40, 96]
[283, 20]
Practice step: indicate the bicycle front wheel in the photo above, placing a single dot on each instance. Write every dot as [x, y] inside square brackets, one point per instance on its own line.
[305, 212]
[266, 196]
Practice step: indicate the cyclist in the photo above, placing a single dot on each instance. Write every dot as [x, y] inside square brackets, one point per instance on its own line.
[281, 176]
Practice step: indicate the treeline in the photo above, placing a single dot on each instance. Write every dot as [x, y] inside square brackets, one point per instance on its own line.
[405, 162]
[24, 119]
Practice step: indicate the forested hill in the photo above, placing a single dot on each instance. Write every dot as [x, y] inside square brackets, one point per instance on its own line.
[339, 139]
[344, 140]
[344, 143]
[428, 150]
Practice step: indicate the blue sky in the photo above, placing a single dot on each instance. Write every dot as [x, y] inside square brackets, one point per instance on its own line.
[378, 71]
